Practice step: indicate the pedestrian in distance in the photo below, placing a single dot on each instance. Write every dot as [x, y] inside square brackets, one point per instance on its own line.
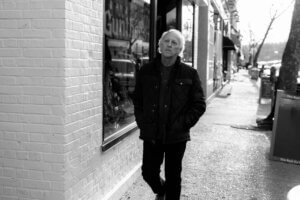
[168, 101]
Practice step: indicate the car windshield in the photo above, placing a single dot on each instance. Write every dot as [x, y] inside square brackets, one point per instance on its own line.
[123, 67]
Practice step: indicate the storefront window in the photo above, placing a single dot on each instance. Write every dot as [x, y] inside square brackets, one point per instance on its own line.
[127, 33]
[171, 19]
[187, 30]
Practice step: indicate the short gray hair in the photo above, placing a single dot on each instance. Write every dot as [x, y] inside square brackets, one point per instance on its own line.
[181, 38]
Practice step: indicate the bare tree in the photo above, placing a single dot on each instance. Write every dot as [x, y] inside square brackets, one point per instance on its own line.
[252, 46]
[138, 28]
[274, 16]
[263, 40]
[290, 64]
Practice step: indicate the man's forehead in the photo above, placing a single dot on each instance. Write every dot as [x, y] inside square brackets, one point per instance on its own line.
[172, 35]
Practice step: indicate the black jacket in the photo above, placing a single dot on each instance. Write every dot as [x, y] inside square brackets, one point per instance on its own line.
[184, 105]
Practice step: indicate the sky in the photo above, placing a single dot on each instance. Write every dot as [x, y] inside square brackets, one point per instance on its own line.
[256, 15]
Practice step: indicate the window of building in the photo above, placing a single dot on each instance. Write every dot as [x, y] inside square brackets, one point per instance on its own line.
[171, 19]
[126, 41]
[188, 30]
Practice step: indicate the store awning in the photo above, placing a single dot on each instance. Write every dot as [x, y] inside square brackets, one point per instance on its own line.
[228, 44]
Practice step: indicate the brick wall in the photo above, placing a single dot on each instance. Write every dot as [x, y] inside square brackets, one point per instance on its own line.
[91, 174]
[31, 99]
[83, 96]
[51, 103]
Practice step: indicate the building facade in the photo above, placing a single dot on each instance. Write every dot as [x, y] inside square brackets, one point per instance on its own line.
[67, 71]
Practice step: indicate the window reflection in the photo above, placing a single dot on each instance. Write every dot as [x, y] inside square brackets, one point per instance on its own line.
[127, 29]
[171, 19]
[187, 30]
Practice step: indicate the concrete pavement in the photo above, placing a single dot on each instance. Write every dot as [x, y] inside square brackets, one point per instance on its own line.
[224, 159]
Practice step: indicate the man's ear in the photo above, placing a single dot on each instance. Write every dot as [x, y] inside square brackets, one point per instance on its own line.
[180, 49]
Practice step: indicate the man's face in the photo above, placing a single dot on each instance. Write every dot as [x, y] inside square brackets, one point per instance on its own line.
[170, 45]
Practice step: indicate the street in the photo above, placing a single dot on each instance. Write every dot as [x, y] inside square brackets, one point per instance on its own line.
[226, 158]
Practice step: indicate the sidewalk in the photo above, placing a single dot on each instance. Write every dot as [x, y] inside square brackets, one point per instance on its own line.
[223, 161]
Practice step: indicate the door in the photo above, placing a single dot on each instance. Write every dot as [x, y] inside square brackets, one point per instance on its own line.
[166, 17]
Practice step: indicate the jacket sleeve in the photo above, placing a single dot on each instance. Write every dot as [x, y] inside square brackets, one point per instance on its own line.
[197, 104]
[138, 99]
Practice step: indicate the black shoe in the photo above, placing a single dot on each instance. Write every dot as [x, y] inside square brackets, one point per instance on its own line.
[265, 126]
[266, 121]
[160, 197]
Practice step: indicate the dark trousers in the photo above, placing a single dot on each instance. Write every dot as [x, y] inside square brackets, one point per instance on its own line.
[153, 155]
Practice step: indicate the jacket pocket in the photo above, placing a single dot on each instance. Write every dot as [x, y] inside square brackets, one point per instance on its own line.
[182, 87]
[148, 130]
[178, 125]
[181, 91]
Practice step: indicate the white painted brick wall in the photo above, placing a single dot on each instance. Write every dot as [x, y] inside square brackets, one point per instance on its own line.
[92, 174]
[31, 99]
[51, 103]
[83, 98]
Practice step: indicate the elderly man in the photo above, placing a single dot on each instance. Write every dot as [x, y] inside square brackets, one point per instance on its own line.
[168, 101]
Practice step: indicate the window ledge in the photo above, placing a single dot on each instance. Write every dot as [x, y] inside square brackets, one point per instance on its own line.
[118, 136]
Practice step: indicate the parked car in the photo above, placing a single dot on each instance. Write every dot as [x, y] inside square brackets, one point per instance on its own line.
[125, 71]
[140, 61]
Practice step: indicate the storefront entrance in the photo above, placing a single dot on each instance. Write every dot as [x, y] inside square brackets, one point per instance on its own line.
[178, 14]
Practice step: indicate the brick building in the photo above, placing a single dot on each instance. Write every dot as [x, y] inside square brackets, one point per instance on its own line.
[67, 70]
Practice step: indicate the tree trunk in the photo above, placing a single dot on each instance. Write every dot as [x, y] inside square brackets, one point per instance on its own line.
[263, 41]
[291, 56]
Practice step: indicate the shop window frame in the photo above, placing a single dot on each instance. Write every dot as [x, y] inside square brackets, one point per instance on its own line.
[192, 3]
[113, 139]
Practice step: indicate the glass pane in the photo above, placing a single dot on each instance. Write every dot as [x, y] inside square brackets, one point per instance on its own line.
[127, 29]
[171, 19]
[187, 30]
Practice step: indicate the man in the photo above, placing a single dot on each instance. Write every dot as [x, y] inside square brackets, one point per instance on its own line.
[168, 101]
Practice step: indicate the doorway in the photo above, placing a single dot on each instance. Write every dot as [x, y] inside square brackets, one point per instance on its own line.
[178, 14]
[166, 15]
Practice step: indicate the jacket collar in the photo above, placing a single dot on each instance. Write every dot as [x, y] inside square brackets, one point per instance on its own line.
[174, 71]
[157, 61]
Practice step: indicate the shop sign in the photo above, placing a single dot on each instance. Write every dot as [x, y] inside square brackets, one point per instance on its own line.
[117, 25]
